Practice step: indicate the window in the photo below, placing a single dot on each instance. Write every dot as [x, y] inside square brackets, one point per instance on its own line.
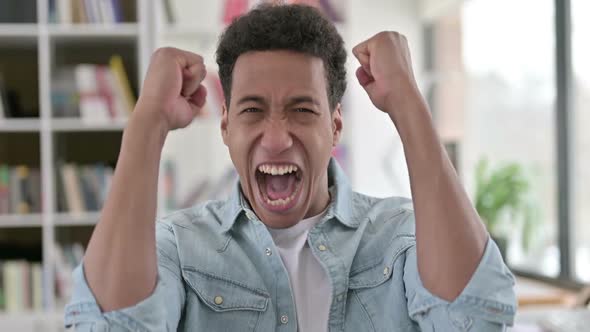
[580, 139]
[493, 100]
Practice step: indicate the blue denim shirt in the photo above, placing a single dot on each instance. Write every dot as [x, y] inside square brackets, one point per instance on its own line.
[220, 271]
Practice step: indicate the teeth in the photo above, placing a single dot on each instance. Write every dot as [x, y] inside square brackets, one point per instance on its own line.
[281, 201]
[277, 170]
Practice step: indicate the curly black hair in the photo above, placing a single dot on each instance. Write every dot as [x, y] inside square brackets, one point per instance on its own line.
[296, 28]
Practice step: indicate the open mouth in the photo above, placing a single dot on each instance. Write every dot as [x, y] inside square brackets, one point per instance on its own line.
[279, 185]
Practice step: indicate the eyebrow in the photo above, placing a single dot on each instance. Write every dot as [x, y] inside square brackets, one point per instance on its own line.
[251, 98]
[292, 101]
[302, 99]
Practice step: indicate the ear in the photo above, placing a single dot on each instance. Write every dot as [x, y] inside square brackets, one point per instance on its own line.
[224, 120]
[336, 124]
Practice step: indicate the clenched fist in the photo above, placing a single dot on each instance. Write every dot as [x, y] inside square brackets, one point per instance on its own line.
[172, 87]
[385, 71]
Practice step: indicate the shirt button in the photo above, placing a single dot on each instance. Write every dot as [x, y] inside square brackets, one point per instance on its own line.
[268, 252]
[339, 298]
[322, 247]
[218, 300]
[386, 271]
[284, 319]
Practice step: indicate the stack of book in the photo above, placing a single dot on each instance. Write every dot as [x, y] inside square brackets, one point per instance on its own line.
[96, 93]
[20, 189]
[21, 286]
[85, 11]
[83, 188]
[67, 257]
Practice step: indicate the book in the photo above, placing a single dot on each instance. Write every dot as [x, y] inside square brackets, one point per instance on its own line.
[4, 189]
[72, 189]
[82, 188]
[95, 93]
[35, 189]
[65, 11]
[104, 89]
[90, 200]
[13, 286]
[2, 292]
[93, 105]
[117, 10]
[14, 191]
[64, 95]
[21, 286]
[67, 257]
[3, 101]
[106, 11]
[123, 85]
[24, 200]
[78, 11]
[20, 189]
[91, 15]
[37, 286]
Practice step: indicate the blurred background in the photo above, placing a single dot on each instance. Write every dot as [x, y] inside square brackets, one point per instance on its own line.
[507, 81]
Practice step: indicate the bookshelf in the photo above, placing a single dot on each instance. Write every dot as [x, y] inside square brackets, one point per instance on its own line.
[35, 44]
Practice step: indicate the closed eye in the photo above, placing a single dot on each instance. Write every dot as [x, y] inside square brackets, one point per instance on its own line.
[303, 110]
[251, 110]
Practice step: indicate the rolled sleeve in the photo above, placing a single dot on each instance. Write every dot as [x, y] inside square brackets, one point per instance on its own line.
[160, 311]
[487, 303]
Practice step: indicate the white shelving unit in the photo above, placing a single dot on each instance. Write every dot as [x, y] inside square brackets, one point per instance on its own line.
[18, 30]
[48, 39]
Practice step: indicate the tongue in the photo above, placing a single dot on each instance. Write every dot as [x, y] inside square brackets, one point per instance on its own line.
[279, 186]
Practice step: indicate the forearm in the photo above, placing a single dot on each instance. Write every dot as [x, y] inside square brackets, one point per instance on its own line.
[450, 239]
[121, 263]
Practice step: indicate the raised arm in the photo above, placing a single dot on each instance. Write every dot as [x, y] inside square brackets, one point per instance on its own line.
[121, 264]
[450, 238]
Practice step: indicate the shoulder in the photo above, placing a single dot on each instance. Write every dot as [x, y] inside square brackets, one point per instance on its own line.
[393, 213]
[203, 220]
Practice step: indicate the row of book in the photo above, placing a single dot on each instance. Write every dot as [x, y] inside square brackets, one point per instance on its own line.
[67, 257]
[95, 93]
[21, 281]
[82, 188]
[20, 189]
[85, 11]
[21, 286]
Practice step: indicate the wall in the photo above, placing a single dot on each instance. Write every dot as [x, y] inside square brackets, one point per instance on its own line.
[377, 164]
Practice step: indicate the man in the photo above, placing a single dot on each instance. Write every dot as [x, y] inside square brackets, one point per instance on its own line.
[293, 248]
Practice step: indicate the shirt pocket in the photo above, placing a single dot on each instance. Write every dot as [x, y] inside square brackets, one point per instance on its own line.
[376, 296]
[216, 303]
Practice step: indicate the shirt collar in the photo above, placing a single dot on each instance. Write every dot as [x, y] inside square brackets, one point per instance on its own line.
[340, 205]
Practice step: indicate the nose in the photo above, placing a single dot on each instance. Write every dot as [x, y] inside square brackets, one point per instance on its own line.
[276, 137]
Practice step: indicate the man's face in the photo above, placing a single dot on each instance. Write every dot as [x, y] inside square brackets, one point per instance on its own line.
[280, 132]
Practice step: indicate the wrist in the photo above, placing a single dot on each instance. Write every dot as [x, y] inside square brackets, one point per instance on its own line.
[147, 118]
[406, 98]
[411, 117]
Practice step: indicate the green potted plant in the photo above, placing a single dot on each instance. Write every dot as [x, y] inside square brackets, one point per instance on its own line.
[502, 201]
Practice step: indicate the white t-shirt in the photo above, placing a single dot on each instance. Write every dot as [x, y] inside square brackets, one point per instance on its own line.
[309, 282]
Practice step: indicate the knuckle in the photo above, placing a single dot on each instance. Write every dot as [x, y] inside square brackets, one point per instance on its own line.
[163, 52]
